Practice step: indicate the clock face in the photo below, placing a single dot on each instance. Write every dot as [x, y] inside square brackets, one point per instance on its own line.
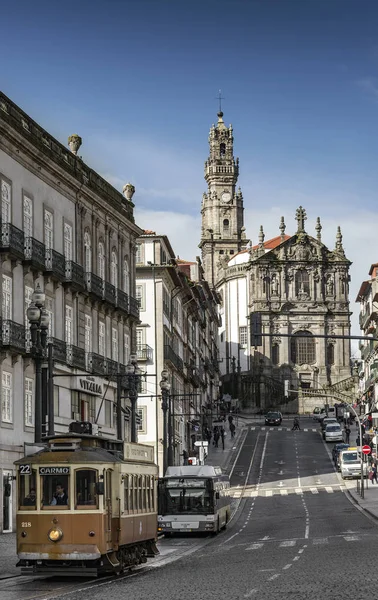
[226, 197]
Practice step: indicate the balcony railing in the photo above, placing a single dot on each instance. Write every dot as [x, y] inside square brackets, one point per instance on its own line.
[171, 355]
[55, 264]
[194, 377]
[96, 363]
[122, 301]
[59, 350]
[209, 367]
[35, 253]
[12, 240]
[134, 307]
[144, 352]
[111, 368]
[76, 357]
[94, 284]
[13, 335]
[74, 275]
[109, 293]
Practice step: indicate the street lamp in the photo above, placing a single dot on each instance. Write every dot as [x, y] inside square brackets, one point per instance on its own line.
[165, 386]
[38, 318]
[133, 373]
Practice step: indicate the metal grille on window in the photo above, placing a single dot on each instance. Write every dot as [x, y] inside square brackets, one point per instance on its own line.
[68, 325]
[6, 303]
[114, 269]
[5, 201]
[29, 403]
[87, 252]
[49, 230]
[6, 397]
[303, 348]
[115, 343]
[28, 217]
[101, 260]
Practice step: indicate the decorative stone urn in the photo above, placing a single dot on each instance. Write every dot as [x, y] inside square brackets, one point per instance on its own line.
[128, 191]
[74, 142]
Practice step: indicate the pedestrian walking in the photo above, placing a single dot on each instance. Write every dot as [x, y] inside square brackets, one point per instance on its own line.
[222, 434]
[296, 424]
[185, 457]
[347, 434]
[232, 430]
[216, 437]
[373, 473]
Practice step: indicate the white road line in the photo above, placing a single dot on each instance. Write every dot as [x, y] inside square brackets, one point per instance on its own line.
[298, 491]
[287, 543]
[300, 551]
[307, 530]
[314, 430]
[250, 593]
[286, 567]
[283, 492]
[255, 546]
[329, 490]
[314, 490]
[268, 493]
[305, 430]
[296, 558]
[318, 541]
[351, 538]
[273, 577]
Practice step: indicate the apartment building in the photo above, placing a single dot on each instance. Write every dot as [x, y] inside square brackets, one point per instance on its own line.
[67, 229]
[178, 333]
[367, 298]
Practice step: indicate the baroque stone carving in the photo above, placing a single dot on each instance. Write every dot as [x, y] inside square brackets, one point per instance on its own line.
[74, 143]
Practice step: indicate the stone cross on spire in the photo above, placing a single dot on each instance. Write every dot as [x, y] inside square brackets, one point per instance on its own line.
[282, 229]
[318, 229]
[301, 217]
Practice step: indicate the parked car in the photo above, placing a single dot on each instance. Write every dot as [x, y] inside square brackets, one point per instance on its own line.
[333, 433]
[327, 421]
[273, 418]
[315, 413]
[337, 449]
[327, 412]
[350, 464]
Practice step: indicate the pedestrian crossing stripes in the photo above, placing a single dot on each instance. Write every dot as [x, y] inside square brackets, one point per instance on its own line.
[267, 493]
[262, 428]
[293, 543]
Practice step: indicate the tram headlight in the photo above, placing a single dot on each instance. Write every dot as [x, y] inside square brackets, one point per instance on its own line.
[55, 534]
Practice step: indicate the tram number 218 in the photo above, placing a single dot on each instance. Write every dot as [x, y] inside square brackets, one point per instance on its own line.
[25, 524]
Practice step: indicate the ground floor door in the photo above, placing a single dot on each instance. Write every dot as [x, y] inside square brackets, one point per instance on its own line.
[7, 501]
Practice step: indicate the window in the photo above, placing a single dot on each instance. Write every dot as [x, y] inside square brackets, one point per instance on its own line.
[87, 252]
[275, 354]
[141, 419]
[126, 348]
[55, 492]
[226, 226]
[101, 260]
[28, 216]
[302, 282]
[67, 241]
[27, 497]
[126, 277]
[222, 150]
[68, 325]
[303, 348]
[138, 254]
[140, 340]
[28, 298]
[139, 292]
[115, 343]
[88, 333]
[6, 196]
[85, 492]
[28, 402]
[6, 397]
[101, 338]
[108, 413]
[243, 336]
[49, 306]
[49, 229]
[114, 269]
[6, 305]
[330, 354]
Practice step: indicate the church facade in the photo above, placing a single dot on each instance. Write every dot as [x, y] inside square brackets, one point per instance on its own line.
[298, 286]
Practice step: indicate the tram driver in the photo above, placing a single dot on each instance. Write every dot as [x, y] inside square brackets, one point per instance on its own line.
[60, 497]
[30, 499]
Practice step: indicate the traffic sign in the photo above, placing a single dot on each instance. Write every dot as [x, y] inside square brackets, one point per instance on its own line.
[201, 443]
[366, 449]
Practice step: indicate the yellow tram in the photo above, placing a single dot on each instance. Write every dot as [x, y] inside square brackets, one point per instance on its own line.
[86, 505]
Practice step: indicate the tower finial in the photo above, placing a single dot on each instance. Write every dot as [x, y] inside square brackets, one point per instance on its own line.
[318, 229]
[339, 240]
[220, 98]
[282, 229]
[301, 217]
[261, 237]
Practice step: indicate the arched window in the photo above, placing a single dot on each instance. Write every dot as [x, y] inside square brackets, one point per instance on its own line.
[126, 277]
[302, 282]
[275, 354]
[114, 269]
[226, 226]
[87, 252]
[222, 150]
[303, 348]
[330, 354]
[101, 260]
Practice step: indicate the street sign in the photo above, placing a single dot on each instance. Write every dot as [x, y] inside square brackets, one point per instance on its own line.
[366, 449]
[202, 444]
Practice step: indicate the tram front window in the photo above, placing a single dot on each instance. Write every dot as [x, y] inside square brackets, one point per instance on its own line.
[86, 480]
[55, 490]
[188, 500]
[27, 491]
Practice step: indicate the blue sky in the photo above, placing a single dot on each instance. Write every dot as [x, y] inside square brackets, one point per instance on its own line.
[137, 79]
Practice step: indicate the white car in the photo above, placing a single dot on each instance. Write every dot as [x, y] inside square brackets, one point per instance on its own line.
[333, 433]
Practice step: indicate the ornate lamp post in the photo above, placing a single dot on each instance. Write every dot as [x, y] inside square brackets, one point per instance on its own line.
[133, 373]
[165, 386]
[39, 323]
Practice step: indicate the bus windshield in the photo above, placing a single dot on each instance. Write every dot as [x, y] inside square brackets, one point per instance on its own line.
[187, 500]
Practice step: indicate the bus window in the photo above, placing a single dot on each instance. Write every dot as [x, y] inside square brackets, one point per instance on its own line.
[27, 496]
[55, 491]
[85, 491]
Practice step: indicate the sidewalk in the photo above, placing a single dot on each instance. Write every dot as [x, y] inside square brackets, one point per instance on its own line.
[8, 557]
[217, 457]
[370, 501]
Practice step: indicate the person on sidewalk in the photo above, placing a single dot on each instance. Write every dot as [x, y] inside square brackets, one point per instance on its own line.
[232, 430]
[374, 473]
[216, 437]
[347, 434]
[222, 434]
[185, 457]
[296, 424]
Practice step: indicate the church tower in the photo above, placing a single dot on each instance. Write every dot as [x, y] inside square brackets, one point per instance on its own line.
[223, 233]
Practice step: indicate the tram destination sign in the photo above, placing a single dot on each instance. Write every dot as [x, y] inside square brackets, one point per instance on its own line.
[54, 470]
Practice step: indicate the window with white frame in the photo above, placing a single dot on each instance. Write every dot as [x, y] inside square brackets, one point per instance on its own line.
[126, 348]
[6, 198]
[67, 241]
[88, 333]
[29, 401]
[28, 216]
[6, 397]
[49, 229]
[6, 304]
[28, 295]
[139, 254]
[101, 260]
[49, 306]
[101, 338]
[114, 269]
[140, 296]
[87, 252]
[243, 336]
[126, 277]
[115, 343]
[69, 324]
[140, 340]
[141, 419]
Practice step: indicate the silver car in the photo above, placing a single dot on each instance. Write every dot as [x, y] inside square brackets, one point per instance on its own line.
[333, 433]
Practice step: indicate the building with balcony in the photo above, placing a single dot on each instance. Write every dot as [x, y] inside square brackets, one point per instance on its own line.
[177, 332]
[367, 298]
[65, 228]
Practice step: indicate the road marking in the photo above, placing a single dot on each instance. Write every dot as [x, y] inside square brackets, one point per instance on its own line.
[273, 577]
[268, 493]
[255, 546]
[305, 430]
[318, 541]
[329, 490]
[288, 543]
[314, 490]
[265, 538]
[351, 538]
[314, 430]
[298, 491]
[250, 593]
[286, 567]
[283, 492]
[307, 530]
[296, 558]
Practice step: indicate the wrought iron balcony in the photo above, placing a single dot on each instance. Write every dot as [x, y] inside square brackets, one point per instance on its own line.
[194, 377]
[109, 292]
[173, 358]
[13, 336]
[94, 285]
[74, 275]
[122, 301]
[35, 253]
[111, 367]
[96, 364]
[59, 350]
[133, 307]
[144, 352]
[55, 264]
[76, 357]
[12, 240]
[209, 367]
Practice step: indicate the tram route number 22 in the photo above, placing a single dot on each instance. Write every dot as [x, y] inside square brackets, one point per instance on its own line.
[25, 470]
[25, 524]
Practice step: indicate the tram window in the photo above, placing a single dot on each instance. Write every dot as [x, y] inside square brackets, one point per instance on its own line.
[55, 492]
[126, 491]
[140, 492]
[27, 491]
[86, 480]
[148, 493]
